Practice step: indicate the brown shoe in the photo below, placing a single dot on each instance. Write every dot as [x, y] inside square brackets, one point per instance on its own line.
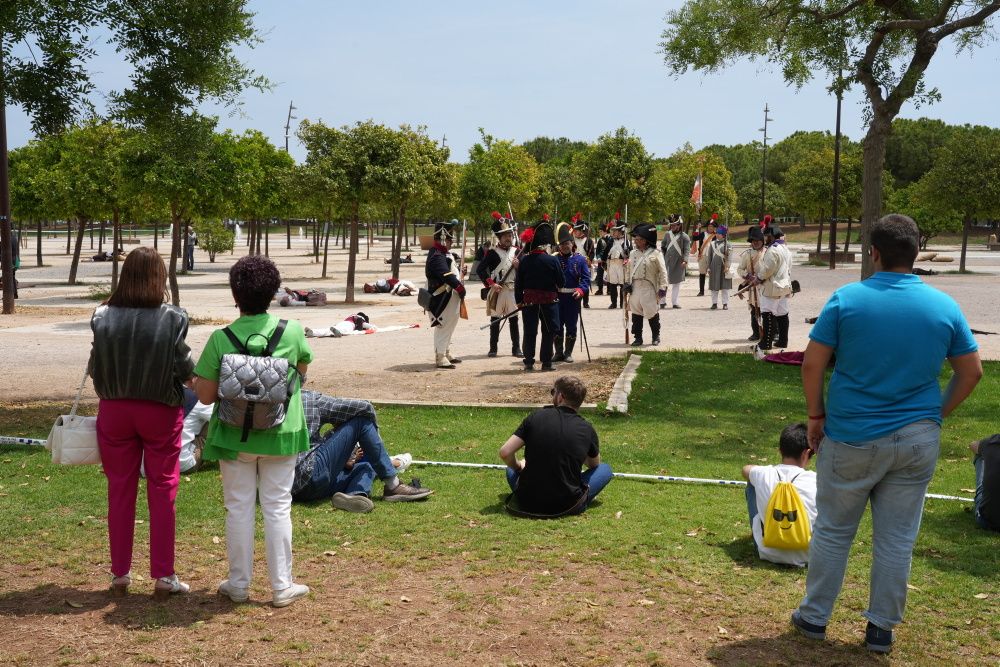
[404, 493]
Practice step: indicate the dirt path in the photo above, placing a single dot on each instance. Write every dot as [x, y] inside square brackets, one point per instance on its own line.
[49, 339]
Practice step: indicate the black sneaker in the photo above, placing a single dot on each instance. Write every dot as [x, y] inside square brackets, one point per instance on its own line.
[491, 353]
[877, 639]
[806, 628]
[547, 367]
[715, 306]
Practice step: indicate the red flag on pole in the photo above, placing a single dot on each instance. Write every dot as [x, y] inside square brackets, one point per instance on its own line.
[696, 192]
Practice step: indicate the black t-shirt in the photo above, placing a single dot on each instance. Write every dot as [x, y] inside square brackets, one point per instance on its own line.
[989, 449]
[557, 441]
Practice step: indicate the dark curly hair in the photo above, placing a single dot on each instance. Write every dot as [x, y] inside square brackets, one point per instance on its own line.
[254, 279]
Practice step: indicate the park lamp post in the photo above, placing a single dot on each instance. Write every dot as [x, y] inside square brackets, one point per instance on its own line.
[763, 168]
[839, 85]
[288, 123]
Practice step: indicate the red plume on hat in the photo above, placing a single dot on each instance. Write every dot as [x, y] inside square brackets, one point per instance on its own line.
[545, 217]
[767, 219]
[527, 235]
[575, 218]
[618, 215]
[715, 216]
[496, 215]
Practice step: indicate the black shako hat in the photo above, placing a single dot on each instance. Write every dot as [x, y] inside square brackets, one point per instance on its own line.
[501, 225]
[542, 234]
[645, 231]
[754, 234]
[564, 232]
[445, 230]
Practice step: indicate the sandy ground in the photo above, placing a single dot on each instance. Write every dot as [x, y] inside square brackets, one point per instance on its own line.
[46, 344]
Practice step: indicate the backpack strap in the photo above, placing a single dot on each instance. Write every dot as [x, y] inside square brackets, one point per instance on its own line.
[272, 342]
[240, 347]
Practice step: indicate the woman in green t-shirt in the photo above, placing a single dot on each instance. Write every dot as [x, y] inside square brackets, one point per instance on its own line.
[263, 461]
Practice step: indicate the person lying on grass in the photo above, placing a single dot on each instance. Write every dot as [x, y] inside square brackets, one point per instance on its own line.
[331, 469]
[557, 442]
[987, 464]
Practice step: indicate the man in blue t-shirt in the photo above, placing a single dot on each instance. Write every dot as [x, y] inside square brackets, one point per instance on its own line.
[878, 432]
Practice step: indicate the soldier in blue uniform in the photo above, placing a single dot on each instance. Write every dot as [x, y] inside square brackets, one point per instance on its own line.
[536, 289]
[443, 278]
[576, 285]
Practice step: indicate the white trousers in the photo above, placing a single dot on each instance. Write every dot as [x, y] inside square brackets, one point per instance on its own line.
[241, 479]
[675, 294]
[449, 320]
[725, 297]
[777, 306]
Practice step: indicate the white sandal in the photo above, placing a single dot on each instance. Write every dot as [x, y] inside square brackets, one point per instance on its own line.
[167, 586]
[119, 585]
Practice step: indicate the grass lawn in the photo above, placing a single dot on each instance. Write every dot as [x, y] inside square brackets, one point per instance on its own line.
[652, 573]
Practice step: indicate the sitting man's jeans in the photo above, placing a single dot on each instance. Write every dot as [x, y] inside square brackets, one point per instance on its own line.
[595, 479]
[892, 473]
[751, 494]
[980, 466]
[329, 476]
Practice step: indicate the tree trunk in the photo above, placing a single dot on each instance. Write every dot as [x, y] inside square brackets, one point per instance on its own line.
[91, 226]
[397, 243]
[871, 184]
[819, 239]
[184, 252]
[175, 246]
[69, 236]
[847, 241]
[370, 235]
[352, 256]
[288, 234]
[77, 249]
[326, 246]
[100, 236]
[115, 241]
[156, 234]
[38, 243]
[343, 237]
[965, 243]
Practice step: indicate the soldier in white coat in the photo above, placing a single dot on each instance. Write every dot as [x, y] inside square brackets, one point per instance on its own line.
[646, 282]
[747, 269]
[615, 256]
[720, 256]
[775, 289]
[676, 246]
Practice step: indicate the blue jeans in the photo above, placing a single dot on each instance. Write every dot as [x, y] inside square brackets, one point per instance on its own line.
[892, 473]
[595, 479]
[329, 476]
[751, 494]
[548, 316]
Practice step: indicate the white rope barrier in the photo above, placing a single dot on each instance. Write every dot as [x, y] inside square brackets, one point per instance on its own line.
[650, 478]
[8, 440]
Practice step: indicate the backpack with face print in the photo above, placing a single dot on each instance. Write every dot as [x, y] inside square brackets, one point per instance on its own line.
[786, 523]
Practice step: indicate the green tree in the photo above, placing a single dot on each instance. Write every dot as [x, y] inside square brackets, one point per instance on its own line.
[674, 181]
[557, 190]
[966, 177]
[617, 171]
[744, 163]
[909, 151]
[214, 237]
[809, 184]
[29, 200]
[931, 215]
[498, 172]
[547, 149]
[885, 47]
[181, 53]
[795, 148]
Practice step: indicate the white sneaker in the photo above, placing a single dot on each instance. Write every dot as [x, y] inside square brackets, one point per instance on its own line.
[232, 592]
[405, 460]
[167, 586]
[287, 596]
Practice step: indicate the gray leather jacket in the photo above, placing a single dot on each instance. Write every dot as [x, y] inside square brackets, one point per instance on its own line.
[140, 353]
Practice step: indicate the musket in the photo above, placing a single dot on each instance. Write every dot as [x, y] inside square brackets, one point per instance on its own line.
[504, 318]
[583, 331]
[463, 311]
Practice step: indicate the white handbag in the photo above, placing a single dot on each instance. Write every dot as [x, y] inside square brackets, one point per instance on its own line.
[73, 439]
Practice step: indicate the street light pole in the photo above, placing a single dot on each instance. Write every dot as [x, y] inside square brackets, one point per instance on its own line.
[763, 168]
[6, 238]
[288, 124]
[836, 174]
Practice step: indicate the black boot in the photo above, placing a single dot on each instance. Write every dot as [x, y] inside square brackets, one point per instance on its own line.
[636, 329]
[754, 324]
[515, 338]
[568, 354]
[494, 336]
[701, 284]
[557, 343]
[654, 325]
[613, 293]
[782, 321]
[768, 333]
[586, 299]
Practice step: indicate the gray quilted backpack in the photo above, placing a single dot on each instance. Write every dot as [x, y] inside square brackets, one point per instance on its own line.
[254, 390]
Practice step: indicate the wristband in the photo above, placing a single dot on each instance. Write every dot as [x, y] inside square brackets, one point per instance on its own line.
[822, 416]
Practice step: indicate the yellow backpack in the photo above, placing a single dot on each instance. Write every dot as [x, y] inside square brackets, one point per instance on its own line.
[786, 524]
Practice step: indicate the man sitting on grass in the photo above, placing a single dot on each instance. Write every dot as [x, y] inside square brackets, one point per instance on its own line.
[761, 481]
[557, 443]
[987, 463]
[330, 469]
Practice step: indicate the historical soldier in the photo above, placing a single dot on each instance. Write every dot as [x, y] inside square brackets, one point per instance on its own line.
[747, 268]
[775, 289]
[615, 256]
[442, 272]
[536, 289]
[600, 248]
[584, 246]
[706, 239]
[720, 255]
[646, 282]
[676, 246]
[497, 270]
[576, 284]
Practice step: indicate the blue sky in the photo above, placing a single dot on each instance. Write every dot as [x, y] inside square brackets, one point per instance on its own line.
[520, 69]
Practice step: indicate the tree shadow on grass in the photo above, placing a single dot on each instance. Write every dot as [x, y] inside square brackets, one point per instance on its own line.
[138, 610]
